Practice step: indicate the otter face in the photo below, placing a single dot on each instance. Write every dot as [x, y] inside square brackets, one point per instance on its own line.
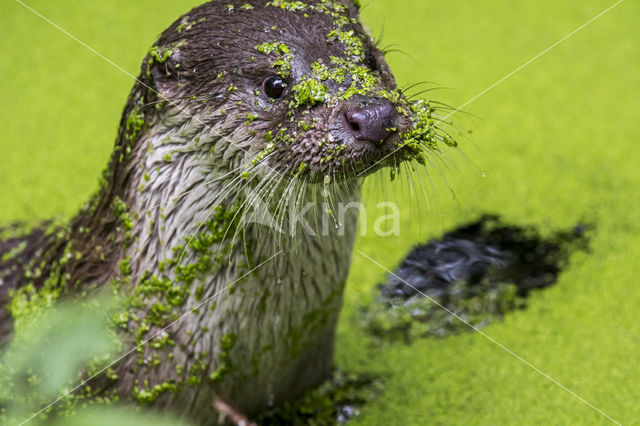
[301, 81]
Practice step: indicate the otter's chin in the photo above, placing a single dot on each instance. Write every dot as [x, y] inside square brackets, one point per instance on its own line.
[373, 157]
[359, 159]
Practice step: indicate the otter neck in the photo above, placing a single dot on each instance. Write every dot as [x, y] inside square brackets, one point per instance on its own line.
[260, 262]
[186, 173]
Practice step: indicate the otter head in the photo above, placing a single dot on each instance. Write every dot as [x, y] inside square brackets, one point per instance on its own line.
[294, 87]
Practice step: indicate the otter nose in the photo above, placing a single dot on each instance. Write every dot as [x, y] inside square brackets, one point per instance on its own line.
[370, 119]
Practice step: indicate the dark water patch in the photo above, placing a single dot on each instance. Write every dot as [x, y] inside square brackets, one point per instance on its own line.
[480, 271]
[333, 403]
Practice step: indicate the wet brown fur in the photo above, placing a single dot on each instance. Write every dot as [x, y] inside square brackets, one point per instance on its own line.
[186, 80]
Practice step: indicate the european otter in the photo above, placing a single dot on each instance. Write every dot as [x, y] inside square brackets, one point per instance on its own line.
[251, 121]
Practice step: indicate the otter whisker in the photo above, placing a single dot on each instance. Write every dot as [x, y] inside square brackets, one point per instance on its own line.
[279, 211]
[443, 176]
[255, 194]
[406, 89]
[221, 199]
[424, 191]
[273, 223]
[275, 233]
[402, 52]
[196, 186]
[434, 189]
[378, 40]
[249, 200]
[237, 182]
[413, 96]
[468, 160]
[287, 201]
[299, 198]
[409, 178]
[444, 106]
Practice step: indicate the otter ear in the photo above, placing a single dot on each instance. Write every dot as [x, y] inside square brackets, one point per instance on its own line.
[163, 67]
[354, 6]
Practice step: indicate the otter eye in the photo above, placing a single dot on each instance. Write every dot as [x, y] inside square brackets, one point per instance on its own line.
[274, 86]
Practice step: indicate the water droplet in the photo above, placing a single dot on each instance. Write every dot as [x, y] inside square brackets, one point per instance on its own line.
[484, 175]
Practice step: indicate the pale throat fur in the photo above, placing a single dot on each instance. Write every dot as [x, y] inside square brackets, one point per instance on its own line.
[189, 164]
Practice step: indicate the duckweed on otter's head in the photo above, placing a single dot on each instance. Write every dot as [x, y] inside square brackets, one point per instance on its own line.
[342, 76]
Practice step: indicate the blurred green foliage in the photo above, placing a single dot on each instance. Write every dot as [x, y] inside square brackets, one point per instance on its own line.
[50, 356]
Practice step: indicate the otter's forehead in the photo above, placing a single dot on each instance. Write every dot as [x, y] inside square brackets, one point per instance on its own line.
[250, 36]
